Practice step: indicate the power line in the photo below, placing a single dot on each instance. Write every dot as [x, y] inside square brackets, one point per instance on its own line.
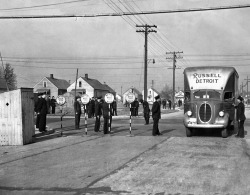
[126, 13]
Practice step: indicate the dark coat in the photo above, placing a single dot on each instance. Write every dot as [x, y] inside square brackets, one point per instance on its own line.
[98, 108]
[77, 107]
[146, 109]
[52, 102]
[106, 110]
[240, 112]
[36, 104]
[42, 107]
[156, 110]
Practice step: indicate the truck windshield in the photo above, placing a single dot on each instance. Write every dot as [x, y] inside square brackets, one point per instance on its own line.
[206, 94]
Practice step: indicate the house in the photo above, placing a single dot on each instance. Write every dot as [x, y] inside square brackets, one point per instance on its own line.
[110, 89]
[152, 93]
[118, 97]
[133, 90]
[3, 87]
[179, 96]
[51, 86]
[86, 85]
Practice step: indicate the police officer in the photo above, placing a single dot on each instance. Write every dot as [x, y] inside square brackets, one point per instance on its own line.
[146, 111]
[42, 113]
[98, 114]
[156, 115]
[78, 111]
[240, 116]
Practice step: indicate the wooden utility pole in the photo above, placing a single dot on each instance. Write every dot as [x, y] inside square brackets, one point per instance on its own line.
[247, 80]
[147, 30]
[76, 82]
[174, 67]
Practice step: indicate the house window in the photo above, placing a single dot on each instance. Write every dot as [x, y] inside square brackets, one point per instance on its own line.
[80, 84]
[44, 83]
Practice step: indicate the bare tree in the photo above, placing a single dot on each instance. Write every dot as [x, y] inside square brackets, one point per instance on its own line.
[166, 92]
[9, 76]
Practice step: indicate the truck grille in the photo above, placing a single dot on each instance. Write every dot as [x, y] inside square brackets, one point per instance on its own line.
[205, 112]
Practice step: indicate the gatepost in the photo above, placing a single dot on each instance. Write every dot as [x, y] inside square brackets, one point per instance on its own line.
[130, 98]
[109, 98]
[61, 101]
[85, 99]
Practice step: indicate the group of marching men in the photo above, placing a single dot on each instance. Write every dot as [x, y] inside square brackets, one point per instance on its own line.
[102, 108]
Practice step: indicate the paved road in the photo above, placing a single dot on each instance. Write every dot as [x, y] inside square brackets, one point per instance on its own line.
[118, 164]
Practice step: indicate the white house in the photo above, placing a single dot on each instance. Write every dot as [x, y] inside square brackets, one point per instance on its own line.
[51, 86]
[133, 90]
[86, 85]
[152, 93]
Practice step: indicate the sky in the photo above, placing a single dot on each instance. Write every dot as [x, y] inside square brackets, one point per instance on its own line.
[110, 50]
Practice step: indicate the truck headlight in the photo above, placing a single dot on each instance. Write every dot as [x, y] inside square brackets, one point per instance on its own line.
[189, 113]
[221, 113]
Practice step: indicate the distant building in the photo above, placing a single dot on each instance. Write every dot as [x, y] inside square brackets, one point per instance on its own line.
[110, 89]
[86, 85]
[179, 96]
[3, 87]
[51, 86]
[152, 93]
[133, 90]
[118, 97]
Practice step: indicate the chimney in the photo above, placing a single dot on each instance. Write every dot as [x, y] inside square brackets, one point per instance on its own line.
[86, 76]
[69, 81]
[51, 76]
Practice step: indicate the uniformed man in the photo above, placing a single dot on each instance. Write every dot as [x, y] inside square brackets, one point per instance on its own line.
[156, 115]
[146, 111]
[78, 111]
[42, 112]
[98, 114]
[39, 96]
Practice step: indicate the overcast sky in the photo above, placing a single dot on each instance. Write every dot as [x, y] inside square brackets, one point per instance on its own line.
[109, 48]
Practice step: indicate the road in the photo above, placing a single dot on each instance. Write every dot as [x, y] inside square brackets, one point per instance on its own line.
[119, 164]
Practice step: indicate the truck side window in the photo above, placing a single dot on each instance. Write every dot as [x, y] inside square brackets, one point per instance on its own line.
[187, 96]
[228, 95]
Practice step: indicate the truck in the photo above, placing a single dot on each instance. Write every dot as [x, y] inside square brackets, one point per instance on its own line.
[209, 98]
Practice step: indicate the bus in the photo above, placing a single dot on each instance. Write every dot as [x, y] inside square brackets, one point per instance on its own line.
[209, 95]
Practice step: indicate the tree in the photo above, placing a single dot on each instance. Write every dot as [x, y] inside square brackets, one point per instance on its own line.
[9, 76]
[166, 92]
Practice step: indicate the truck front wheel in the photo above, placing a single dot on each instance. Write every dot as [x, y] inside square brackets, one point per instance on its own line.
[224, 133]
[188, 132]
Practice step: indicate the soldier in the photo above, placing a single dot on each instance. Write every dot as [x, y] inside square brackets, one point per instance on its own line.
[146, 111]
[42, 112]
[156, 115]
[98, 113]
[78, 111]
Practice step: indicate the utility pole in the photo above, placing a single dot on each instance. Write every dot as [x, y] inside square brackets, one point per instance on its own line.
[247, 80]
[147, 30]
[174, 67]
[76, 82]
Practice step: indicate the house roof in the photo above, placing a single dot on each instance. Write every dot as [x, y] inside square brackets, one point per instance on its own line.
[134, 90]
[94, 83]
[2, 84]
[155, 90]
[59, 83]
[109, 88]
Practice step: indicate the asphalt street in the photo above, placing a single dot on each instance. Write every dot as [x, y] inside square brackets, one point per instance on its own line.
[119, 164]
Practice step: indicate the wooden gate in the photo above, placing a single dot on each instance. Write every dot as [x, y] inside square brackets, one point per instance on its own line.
[17, 117]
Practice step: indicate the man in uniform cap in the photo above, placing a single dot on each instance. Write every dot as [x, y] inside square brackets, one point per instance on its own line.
[98, 113]
[42, 113]
[78, 111]
[156, 115]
